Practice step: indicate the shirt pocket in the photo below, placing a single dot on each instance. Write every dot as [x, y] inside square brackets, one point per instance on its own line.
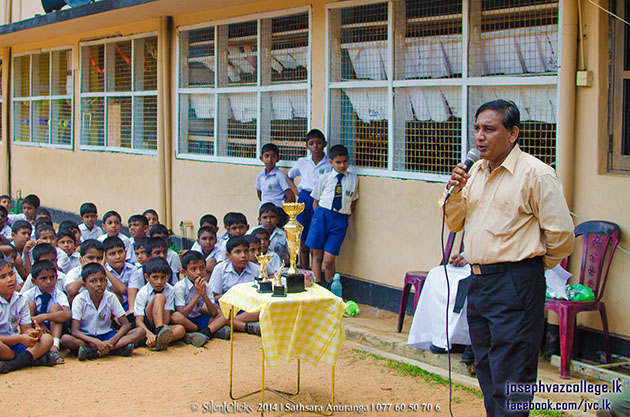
[502, 218]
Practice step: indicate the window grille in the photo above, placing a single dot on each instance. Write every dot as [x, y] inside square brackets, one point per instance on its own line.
[619, 88]
[119, 94]
[42, 98]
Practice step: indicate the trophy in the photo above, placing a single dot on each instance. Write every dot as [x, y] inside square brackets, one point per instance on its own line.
[294, 280]
[278, 288]
[264, 285]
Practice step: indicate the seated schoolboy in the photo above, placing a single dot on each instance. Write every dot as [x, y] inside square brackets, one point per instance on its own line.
[157, 248]
[254, 247]
[66, 241]
[124, 273]
[112, 224]
[5, 201]
[195, 306]
[91, 251]
[206, 242]
[138, 228]
[223, 237]
[48, 305]
[74, 228]
[21, 235]
[155, 304]
[160, 231]
[268, 219]
[271, 183]
[30, 204]
[309, 169]
[92, 312]
[152, 217]
[89, 215]
[46, 234]
[5, 229]
[44, 252]
[207, 220]
[237, 269]
[275, 263]
[140, 250]
[334, 197]
[20, 344]
[235, 225]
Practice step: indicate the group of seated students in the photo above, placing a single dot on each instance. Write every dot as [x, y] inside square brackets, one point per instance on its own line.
[117, 292]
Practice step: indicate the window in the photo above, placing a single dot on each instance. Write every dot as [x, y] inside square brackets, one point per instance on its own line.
[233, 99]
[119, 94]
[42, 98]
[619, 149]
[403, 87]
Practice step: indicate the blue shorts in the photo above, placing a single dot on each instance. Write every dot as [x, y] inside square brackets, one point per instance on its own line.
[305, 217]
[104, 337]
[328, 229]
[17, 348]
[201, 321]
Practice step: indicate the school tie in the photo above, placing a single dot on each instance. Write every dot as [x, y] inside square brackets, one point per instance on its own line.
[44, 300]
[336, 204]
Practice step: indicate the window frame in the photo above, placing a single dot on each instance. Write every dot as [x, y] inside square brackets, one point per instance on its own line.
[133, 94]
[617, 162]
[30, 98]
[259, 89]
[465, 82]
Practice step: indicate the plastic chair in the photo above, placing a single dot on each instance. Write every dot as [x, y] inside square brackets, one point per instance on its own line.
[600, 241]
[417, 278]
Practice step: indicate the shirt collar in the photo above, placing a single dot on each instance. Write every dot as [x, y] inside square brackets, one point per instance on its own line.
[509, 163]
[272, 172]
[13, 297]
[324, 160]
[230, 268]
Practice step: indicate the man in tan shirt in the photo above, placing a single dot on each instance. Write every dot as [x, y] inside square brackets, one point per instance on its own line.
[517, 224]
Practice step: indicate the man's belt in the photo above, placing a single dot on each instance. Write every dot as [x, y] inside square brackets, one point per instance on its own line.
[486, 269]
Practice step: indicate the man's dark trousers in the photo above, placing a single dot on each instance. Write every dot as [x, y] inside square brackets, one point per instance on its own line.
[506, 321]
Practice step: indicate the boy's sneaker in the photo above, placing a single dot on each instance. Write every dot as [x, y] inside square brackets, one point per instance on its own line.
[123, 351]
[47, 359]
[58, 358]
[86, 352]
[253, 328]
[223, 333]
[4, 367]
[163, 337]
[195, 338]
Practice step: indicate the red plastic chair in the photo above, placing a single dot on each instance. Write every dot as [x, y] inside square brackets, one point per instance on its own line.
[600, 241]
[417, 278]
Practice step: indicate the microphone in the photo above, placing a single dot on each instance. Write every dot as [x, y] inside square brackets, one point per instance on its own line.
[472, 157]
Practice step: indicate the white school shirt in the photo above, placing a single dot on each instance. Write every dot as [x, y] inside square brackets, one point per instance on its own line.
[125, 276]
[86, 233]
[217, 254]
[185, 291]
[274, 264]
[63, 261]
[137, 279]
[146, 294]
[96, 321]
[56, 297]
[28, 283]
[324, 190]
[126, 240]
[309, 171]
[15, 217]
[75, 275]
[225, 277]
[272, 186]
[13, 313]
[6, 232]
[278, 243]
[173, 261]
[75, 260]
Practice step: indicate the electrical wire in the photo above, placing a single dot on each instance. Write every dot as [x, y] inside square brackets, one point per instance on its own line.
[448, 298]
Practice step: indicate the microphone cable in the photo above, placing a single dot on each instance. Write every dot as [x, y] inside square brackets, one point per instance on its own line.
[448, 299]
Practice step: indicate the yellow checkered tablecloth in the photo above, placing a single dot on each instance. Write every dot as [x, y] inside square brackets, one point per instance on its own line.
[306, 325]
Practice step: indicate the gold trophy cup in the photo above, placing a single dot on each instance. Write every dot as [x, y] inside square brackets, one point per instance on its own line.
[264, 285]
[293, 229]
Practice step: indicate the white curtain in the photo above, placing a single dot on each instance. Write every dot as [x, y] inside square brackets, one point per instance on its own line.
[289, 58]
[369, 61]
[369, 104]
[433, 103]
[433, 57]
[203, 104]
[243, 107]
[536, 103]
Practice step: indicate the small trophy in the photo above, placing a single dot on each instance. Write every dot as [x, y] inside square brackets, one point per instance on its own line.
[278, 288]
[264, 285]
[294, 280]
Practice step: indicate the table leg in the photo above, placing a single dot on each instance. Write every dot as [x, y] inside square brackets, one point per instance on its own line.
[232, 314]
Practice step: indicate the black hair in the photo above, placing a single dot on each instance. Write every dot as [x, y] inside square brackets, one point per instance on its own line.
[208, 218]
[510, 115]
[3, 263]
[43, 249]
[87, 208]
[191, 255]
[337, 150]
[235, 218]
[5, 196]
[4, 210]
[150, 211]
[90, 244]
[159, 229]
[43, 221]
[260, 231]
[267, 207]
[91, 269]
[314, 133]
[206, 229]
[32, 200]
[65, 233]
[112, 242]
[41, 266]
[252, 239]
[235, 242]
[270, 147]
[154, 242]
[111, 213]
[226, 217]
[139, 218]
[42, 211]
[140, 242]
[44, 228]
[68, 224]
[157, 265]
[21, 224]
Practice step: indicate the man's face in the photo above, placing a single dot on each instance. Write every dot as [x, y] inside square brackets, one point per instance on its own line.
[28, 210]
[269, 220]
[115, 257]
[112, 226]
[340, 163]
[492, 139]
[207, 240]
[89, 219]
[237, 229]
[195, 270]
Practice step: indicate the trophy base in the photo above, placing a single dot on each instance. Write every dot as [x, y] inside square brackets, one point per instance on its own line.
[257, 283]
[265, 287]
[278, 291]
[295, 283]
